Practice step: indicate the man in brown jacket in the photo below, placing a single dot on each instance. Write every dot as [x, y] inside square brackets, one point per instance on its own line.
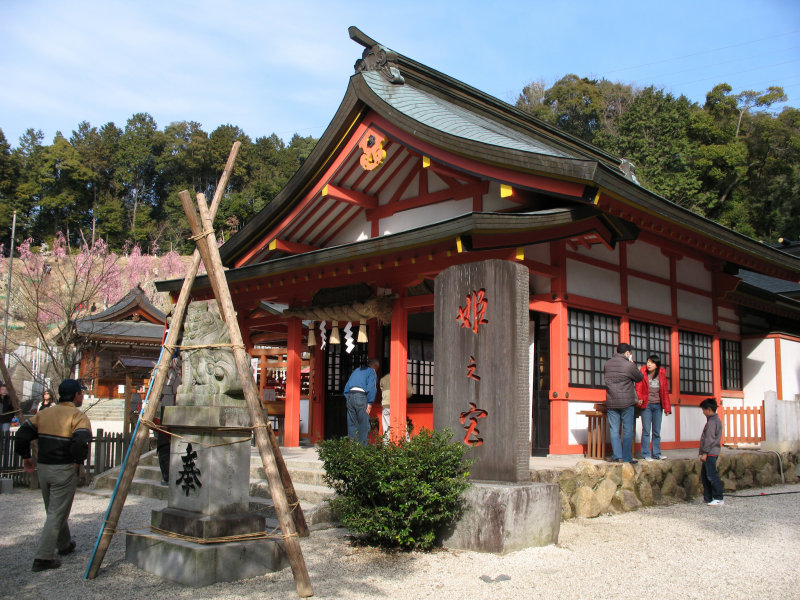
[64, 433]
[621, 375]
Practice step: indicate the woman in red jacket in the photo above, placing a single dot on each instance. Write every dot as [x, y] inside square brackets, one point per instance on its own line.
[653, 398]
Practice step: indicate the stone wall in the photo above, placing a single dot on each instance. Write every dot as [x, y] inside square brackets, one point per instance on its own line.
[591, 489]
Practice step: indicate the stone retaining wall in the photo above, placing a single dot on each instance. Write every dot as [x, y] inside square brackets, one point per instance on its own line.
[591, 489]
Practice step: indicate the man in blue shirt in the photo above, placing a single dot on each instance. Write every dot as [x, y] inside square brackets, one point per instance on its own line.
[360, 391]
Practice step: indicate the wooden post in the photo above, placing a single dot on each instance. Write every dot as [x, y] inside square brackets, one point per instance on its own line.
[156, 388]
[202, 229]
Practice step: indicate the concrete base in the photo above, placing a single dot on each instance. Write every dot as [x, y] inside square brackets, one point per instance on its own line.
[6, 485]
[505, 517]
[203, 564]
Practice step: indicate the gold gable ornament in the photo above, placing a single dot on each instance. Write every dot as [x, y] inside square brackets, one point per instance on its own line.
[373, 153]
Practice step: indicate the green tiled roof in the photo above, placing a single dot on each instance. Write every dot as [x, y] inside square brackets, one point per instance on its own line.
[447, 117]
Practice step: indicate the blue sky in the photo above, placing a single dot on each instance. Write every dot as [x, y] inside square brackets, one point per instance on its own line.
[282, 67]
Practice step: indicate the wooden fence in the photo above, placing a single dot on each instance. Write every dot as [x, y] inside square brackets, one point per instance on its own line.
[105, 452]
[742, 425]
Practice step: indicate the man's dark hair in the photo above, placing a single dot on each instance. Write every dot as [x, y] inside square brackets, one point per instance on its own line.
[709, 403]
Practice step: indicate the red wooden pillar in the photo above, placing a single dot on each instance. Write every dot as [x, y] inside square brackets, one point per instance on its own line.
[398, 369]
[559, 356]
[293, 363]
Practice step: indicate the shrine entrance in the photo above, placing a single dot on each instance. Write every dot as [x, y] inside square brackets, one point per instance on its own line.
[540, 390]
[338, 366]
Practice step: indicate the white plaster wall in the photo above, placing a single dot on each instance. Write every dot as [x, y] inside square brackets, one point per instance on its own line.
[648, 295]
[692, 422]
[541, 284]
[592, 282]
[790, 369]
[732, 402]
[730, 315]
[492, 200]
[667, 428]
[695, 307]
[600, 252]
[424, 215]
[578, 424]
[758, 369]
[693, 272]
[648, 259]
[358, 230]
[540, 252]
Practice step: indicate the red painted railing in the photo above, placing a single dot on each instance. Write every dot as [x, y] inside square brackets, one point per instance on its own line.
[742, 425]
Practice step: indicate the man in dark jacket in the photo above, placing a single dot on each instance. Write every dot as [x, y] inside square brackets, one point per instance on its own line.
[621, 375]
[64, 433]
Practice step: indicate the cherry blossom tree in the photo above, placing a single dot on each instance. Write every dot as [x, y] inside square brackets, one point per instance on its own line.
[52, 290]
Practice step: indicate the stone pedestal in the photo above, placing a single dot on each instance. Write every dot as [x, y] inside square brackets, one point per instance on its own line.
[505, 517]
[203, 564]
[209, 496]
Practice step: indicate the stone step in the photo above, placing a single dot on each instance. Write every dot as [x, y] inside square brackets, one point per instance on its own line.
[307, 478]
[311, 476]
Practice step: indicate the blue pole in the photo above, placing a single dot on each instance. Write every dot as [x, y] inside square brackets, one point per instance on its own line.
[122, 469]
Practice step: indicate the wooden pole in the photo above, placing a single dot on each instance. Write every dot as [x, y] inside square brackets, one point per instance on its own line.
[156, 388]
[202, 229]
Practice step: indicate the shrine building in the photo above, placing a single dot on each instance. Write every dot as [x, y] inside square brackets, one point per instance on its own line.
[418, 172]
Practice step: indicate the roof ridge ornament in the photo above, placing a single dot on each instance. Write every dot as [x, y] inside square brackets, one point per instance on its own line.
[628, 170]
[376, 57]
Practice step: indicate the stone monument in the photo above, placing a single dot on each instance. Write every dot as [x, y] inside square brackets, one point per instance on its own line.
[209, 481]
[481, 348]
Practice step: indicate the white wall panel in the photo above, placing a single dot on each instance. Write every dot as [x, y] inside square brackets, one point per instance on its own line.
[692, 422]
[425, 215]
[758, 369]
[693, 272]
[648, 295]
[592, 282]
[600, 252]
[648, 259]
[790, 369]
[695, 307]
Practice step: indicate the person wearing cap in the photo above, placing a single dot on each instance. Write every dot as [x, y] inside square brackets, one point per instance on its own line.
[64, 433]
[621, 375]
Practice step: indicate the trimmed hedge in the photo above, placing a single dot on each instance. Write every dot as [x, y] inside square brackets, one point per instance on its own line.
[397, 494]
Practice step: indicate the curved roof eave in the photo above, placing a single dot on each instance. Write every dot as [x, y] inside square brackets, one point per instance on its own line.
[467, 224]
[349, 110]
[642, 198]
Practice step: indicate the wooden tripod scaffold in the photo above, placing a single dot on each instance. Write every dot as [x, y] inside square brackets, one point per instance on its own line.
[291, 520]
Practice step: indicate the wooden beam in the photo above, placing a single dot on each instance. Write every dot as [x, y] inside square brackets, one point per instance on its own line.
[290, 247]
[461, 192]
[350, 196]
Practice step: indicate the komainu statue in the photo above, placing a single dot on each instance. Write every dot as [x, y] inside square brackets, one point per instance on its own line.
[209, 374]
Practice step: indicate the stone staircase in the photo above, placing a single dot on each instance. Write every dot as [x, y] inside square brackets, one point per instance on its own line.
[104, 409]
[304, 467]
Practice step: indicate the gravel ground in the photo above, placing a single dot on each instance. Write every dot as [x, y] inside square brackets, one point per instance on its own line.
[747, 549]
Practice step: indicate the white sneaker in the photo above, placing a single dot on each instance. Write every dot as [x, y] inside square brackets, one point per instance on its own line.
[650, 459]
[716, 503]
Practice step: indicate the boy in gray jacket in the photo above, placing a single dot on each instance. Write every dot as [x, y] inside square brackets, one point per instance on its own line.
[710, 444]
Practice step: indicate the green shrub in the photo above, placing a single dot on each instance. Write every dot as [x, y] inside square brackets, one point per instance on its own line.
[398, 494]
